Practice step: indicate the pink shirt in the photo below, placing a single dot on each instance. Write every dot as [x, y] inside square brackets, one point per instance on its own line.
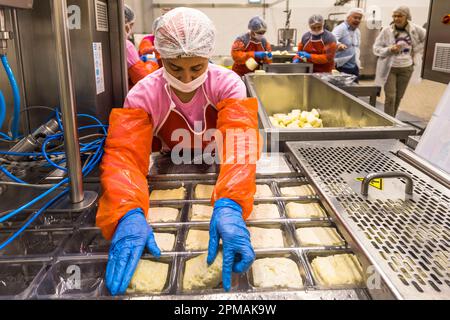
[150, 95]
[132, 54]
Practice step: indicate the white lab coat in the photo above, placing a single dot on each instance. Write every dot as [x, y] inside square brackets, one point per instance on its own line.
[382, 48]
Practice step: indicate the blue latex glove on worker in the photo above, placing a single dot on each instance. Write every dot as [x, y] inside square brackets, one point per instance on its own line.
[304, 54]
[262, 55]
[132, 236]
[147, 58]
[227, 224]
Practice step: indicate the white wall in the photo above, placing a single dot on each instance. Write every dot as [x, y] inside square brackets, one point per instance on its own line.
[231, 22]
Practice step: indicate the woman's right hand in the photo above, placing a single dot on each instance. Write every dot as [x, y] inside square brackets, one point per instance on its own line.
[132, 236]
[395, 49]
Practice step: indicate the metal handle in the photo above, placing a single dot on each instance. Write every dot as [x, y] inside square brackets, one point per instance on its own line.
[371, 176]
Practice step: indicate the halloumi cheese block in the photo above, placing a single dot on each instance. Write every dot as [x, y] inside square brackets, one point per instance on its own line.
[264, 211]
[263, 191]
[276, 273]
[197, 240]
[149, 277]
[201, 212]
[165, 241]
[298, 191]
[204, 191]
[304, 210]
[319, 237]
[199, 276]
[162, 214]
[342, 269]
[263, 238]
[169, 194]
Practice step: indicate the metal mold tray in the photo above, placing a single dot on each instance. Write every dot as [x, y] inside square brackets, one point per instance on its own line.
[19, 277]
[180, 276]
[405, 240]
[310, 255]
[35, 243]
[59, 282]
[314, 224]
[292, 255]
[47, 220]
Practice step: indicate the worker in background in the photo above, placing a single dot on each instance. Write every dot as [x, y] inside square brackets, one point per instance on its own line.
[191, 96]
[137, 69]
[251, 49]
[147, 47]
[399, 48]
[348, 38]
[318, 46]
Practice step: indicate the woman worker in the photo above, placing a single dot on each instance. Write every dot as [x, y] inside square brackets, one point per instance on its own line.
[318, 46]
[251, 45]
[187, 92]
[137, 69]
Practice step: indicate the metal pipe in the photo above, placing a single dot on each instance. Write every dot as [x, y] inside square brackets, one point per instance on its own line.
[371, 176]
[211, 5]
[20, 72]
[123, 49]
[4, 35]
[67, 99]
[425, 166]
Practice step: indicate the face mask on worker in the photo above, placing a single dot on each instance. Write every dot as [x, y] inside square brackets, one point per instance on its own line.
[185, 87]
[317, 33]
[129, 30]
[257, 37]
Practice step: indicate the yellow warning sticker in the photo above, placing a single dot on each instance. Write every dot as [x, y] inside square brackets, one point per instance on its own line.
[376, 183]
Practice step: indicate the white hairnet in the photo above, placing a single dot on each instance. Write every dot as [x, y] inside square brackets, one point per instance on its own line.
[355, 10]
[404, 10]
[315, 19]
[184, 32]
[130, 17]
[257, 24]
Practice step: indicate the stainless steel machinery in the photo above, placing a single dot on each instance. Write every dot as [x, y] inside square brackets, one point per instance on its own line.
[437, 49]
[344, 116]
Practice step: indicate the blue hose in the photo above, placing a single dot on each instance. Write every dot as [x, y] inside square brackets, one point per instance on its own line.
[2, 109]
[16, 94]
[11, 176]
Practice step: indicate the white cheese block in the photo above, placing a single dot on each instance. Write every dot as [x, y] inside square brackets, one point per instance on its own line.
[201, 212]
[276, 273]
[149, 277]
[162, 214]
[263, 191]
[343, 269]
[204, 191]
[319, 237]
[199, 276]
[264, 211]
[197, 240]
[298, 191]
[304, 210]
[169, 194]
[165, 241]
[263, 238]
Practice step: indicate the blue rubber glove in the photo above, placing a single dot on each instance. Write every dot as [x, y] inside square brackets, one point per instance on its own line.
[269, 55]
[296, 61]
[260, 55]
[132, 235]
[304, 54]
[147, 58]
[227, 224]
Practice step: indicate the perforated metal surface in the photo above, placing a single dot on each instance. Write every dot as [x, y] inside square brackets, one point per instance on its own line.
[409, 239]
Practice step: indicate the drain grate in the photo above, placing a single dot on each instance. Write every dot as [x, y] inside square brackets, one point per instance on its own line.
[411, 237]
